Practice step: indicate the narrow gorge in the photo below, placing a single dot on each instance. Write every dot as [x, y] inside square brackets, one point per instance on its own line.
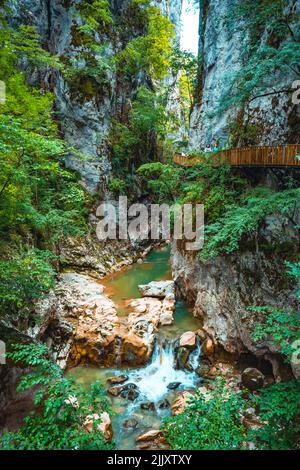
[133, 340]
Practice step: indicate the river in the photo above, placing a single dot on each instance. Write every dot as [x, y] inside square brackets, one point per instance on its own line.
[152, 379]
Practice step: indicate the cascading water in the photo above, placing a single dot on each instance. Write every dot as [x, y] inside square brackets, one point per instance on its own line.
[153, 380]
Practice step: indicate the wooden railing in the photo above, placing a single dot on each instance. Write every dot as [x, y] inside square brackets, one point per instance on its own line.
[248, 156]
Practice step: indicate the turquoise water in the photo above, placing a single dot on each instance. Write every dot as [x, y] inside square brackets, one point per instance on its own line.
[121, 287]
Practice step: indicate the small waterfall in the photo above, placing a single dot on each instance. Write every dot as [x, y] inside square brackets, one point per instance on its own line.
[153, 380]
[195, 356]
[118, 350]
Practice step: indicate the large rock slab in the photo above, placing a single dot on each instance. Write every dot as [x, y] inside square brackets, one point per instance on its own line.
[158, 289]
[188, 340]
[81, 325]
[149, 313]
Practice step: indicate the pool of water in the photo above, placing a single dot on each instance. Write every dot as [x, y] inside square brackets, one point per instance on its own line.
[153, 378]
[123, 285]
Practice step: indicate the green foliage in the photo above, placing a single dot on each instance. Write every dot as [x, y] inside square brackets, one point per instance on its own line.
[61, 407]
[162, 180]
[24, 278]
[279, 410]
[239, 221]
[282, 327]
[96, 15]
[294, 272]
[36, 194]
[41, 202]
[87, 70]
[208, 423]
[214, 186]
[87, 67]
[117, 186]
[137, 140]
[150, 53]
[279, 404]
[272, 49]
[184, 65]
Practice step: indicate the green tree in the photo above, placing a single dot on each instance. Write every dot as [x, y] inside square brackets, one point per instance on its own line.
[138, 140]
[150, 53]
[61, 407]
[24, 278]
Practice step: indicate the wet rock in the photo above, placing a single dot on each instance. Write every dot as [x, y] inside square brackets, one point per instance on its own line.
[131, 423]
[148, 406]
[136, 349]
[103, 423]
[129, 392]
[252, 379]
[188, 340]
[204, 368]
[78, 321]
[149, 436]
[173, 385]
[158, 289]
[166, 318]
[149, 313]
[181, 402]
[202, 334]
[222, 288]
[118, 379]
[181, 358]
[164, 404]
[208, 348]
[115, 391]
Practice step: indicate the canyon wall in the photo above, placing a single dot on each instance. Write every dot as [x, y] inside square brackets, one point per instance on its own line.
[86, 107]
[274, 116]
[223, 289]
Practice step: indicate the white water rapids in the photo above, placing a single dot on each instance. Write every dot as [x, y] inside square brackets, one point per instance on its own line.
[154, 379]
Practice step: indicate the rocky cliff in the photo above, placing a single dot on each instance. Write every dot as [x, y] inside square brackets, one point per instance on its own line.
[267, 115]
[222, 289]
[88, 101]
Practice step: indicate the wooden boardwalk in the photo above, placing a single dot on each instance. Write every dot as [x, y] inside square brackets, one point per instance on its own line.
[281, 156]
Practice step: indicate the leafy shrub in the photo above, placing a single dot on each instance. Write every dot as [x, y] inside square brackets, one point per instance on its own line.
[238, 221]
[208, 423]
[136, 141]
[61, 407]
[150, 53]
[24, 279]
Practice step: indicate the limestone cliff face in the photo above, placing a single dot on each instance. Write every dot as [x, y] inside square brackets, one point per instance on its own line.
[221, 289]
[85, 110]
[275, 116]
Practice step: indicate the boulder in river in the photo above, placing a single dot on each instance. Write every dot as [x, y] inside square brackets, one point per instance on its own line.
[208, 347]
[115, 391]
[149, 313]
[149, 436]
[131, 423]
[130, 392]
[136, 348]
[158, 289]
[181, 358]
[173, 385]
[148, 406]
[252, 379]
[117, 379]
[164, 404]
[188, 340]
